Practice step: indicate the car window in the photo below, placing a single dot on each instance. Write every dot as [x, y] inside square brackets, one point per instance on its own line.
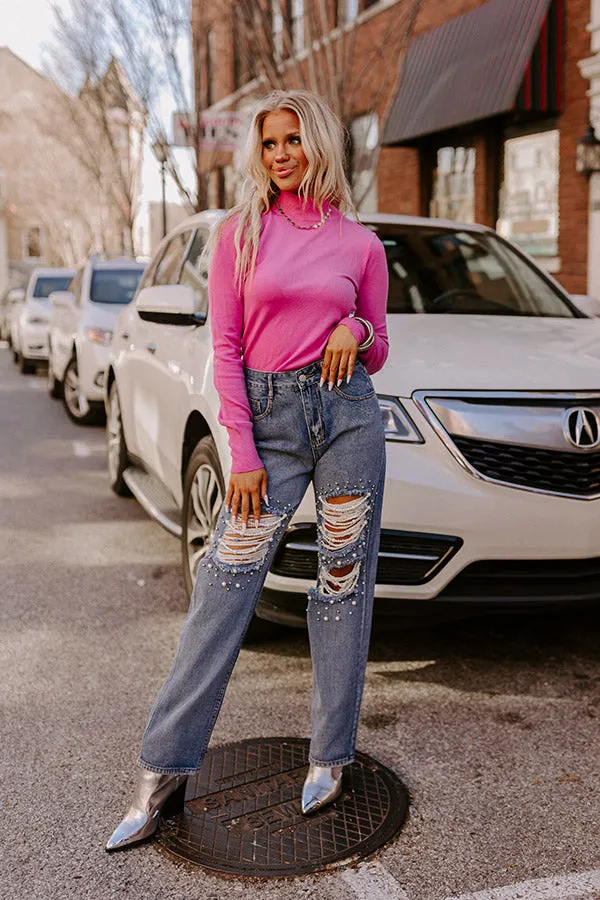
[114, 285]
[441, 270]
[169, 267]
[45, 284]
[195, 271]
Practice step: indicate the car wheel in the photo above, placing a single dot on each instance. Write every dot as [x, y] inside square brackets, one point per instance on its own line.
[54, 385]
[27, 367]
[203, 495]
[117, 459]
[78, 407]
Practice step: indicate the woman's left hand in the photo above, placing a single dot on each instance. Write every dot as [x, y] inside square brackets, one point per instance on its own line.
[340, 356]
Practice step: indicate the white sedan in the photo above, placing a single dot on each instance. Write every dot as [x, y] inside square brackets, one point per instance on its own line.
[491, 404]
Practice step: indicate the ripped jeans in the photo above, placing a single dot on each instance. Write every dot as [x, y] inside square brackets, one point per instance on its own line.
[303, 433]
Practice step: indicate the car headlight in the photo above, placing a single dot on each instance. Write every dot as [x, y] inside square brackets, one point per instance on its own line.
[99, 336]
[397, 423]
[36, 320]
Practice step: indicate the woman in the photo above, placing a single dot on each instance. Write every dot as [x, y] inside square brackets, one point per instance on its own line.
[297, 298]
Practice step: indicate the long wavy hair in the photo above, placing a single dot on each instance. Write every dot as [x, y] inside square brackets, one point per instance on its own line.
[322, 137]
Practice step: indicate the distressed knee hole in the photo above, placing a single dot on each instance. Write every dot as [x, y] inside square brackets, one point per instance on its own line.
[242, 548]
[337, 581]
[343, 520]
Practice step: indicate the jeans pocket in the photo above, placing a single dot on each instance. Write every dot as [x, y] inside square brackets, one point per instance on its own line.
[260, 398]
[360, 386]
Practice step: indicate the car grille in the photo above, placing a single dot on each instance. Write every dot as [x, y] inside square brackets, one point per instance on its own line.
[522, 580]
[558, 471]
[404, 557]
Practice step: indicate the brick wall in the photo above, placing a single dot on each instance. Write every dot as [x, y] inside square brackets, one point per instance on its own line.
[401, 171]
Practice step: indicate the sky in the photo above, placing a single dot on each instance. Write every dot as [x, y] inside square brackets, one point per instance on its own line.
[25, 26]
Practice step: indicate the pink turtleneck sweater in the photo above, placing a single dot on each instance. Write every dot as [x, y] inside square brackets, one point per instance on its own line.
[305, 284]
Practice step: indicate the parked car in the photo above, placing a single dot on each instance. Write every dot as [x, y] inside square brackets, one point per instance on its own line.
[491, 404]
[10, 297]
[29, 332]
[81, 329]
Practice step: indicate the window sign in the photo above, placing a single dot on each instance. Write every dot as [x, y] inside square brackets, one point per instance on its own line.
[529, 195]
[453, 193]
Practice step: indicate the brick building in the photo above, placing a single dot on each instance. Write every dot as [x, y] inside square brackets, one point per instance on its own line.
[482, 126]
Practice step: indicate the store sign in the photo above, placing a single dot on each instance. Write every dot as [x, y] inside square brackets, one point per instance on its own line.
[529, 195]
[218, 130]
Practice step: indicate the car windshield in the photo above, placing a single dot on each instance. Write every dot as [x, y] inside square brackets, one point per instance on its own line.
[45, 284]
[114, 285]
[441, 270]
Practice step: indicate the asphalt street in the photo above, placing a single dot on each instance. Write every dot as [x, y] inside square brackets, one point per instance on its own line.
[492, 723]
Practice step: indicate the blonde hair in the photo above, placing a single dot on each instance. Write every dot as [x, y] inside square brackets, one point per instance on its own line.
[322, 137]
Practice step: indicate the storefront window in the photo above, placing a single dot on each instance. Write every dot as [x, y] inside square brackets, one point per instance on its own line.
[453, 188]
[365, 138]
[529, 194]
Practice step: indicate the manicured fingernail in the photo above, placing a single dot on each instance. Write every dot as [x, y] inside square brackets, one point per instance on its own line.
[267, 499]
[330, 385]
[339, 381]
[234, 519]
[256, 521]
[348, 378]
[321, 382]
[244, 527]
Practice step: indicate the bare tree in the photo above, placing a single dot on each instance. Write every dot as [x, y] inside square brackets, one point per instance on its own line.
[100, 119]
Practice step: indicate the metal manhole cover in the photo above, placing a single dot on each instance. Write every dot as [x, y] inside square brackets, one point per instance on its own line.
[242, 812]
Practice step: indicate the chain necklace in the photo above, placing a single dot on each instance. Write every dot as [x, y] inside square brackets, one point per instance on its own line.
[324, 217]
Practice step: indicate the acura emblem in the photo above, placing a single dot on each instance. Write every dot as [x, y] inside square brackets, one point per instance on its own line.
[581, 427]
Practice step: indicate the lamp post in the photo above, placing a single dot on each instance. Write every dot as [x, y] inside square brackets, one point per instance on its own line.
[588, 153]
[160, 148]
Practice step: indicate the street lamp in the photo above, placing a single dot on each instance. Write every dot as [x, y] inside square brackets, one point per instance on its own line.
[160, 148]
[588, 153]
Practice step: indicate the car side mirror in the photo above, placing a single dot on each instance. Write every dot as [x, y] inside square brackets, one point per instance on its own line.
[170, 304]
[590, 306]
[62, 299]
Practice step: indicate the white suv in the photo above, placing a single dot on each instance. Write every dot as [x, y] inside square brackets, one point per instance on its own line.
[31, 318]
[81, 330]
[491, 404]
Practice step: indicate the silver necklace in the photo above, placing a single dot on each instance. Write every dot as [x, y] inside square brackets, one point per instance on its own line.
[324, 218]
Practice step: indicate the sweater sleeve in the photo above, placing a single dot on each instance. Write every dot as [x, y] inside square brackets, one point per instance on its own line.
[227, 319]
[371, 303]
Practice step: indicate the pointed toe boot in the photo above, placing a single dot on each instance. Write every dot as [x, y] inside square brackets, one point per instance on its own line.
[154, 793]
[322, 785]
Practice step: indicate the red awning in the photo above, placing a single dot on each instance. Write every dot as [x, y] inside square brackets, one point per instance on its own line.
[504, 55]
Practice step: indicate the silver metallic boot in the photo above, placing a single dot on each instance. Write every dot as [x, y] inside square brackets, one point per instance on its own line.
[321, 786]
[152, 792]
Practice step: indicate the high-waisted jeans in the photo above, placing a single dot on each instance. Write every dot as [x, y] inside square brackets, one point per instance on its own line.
[302, 433]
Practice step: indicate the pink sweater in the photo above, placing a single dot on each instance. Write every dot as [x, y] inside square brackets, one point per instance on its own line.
[305, 284]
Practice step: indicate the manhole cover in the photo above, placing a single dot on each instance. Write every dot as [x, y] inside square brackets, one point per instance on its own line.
[242, 812]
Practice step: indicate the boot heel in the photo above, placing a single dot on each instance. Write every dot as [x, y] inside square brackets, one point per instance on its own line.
[173, 805]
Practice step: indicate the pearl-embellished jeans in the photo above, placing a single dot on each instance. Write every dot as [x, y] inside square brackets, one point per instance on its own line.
[303, 433]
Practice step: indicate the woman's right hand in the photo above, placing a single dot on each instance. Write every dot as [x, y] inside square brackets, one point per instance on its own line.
[245, 492]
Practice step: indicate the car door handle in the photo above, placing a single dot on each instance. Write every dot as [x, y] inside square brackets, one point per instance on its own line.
[124, 335]
[151, 348]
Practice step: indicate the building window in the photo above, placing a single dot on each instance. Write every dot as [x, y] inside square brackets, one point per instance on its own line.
[364, 132]
[349, 10]
[297, 24]
[32, 243]
[210, 58]
[529, 193]
[244, 49]
[278, 24]
[453, 188]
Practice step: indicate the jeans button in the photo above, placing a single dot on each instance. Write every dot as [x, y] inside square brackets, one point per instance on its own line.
[302, 377]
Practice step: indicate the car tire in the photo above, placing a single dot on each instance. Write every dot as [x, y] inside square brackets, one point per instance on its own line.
[117, 458]
[54, 385]
[78, 408]
[27, 366]
[204, 489]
